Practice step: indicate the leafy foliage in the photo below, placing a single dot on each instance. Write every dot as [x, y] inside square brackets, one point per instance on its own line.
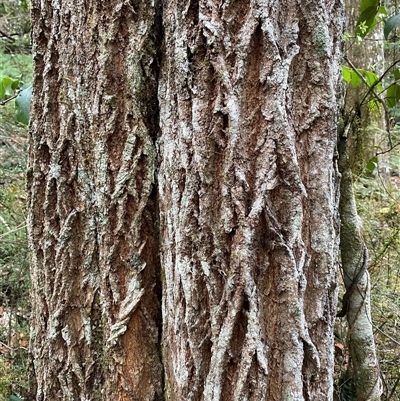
[378, 190]
[355, 77]
[14, 266]
[23, 104]
[369, 13]
[390, 24]
[17, 67]
[7, 87]
[15, 71]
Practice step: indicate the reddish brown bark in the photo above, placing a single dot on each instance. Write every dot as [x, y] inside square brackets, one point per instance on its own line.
[232, 182]
[95, 269]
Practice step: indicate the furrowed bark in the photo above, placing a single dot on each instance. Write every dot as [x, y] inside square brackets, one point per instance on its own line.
[248, 196]
[246, 199]
[92, 219]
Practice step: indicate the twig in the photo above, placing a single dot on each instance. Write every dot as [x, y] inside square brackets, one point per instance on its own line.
[386, 335]
[23, 225]
[4, 102]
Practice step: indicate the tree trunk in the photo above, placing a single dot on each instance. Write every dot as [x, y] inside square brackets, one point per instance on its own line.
[93, 237]
[248, 199]
[242, 211]
[356, 301]
[355, 149]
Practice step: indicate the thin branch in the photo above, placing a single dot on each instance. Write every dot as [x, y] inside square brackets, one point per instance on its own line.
[5, 345]
[372, 91]
[387, 150]
[379, 79]
[23, 225]
[386, 335]
[4, 102]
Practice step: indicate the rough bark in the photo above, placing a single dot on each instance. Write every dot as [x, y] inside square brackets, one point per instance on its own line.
[245, 192]
[92, 231]
[248, 196]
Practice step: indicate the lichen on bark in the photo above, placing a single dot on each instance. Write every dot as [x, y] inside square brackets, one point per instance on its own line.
[92, 222]
[248, 199]
[198, 155]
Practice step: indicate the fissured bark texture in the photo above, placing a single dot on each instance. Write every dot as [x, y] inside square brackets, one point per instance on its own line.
[92, 210]
[248, 198]
[183, 199]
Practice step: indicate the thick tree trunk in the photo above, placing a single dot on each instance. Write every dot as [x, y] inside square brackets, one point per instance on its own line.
[92, 207]
[242, 211]
[248, 196]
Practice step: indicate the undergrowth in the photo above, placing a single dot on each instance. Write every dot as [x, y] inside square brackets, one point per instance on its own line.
[14, 265]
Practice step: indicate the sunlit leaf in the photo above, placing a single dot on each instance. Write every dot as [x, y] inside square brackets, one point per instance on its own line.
[9, 86]
[2, 91]
[368, 3]
[347, 73]
[382, 10]
[374, 105]
[355, 80]
[370, 77]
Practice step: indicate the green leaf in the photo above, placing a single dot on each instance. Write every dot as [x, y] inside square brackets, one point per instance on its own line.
[9, 85]
[372, 79]
[382, 10]
[390, 24]
[23, 105]
[15, 84]
[396, 74]
[372, 164]
[347, 73]
[392, 95]
[2, 92]
[374, 105]
[368, 3]
[367, 21]
[355, 80]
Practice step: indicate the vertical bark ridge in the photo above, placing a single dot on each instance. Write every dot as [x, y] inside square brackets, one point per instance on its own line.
[93, 229]
[244, 144]
[313, 106]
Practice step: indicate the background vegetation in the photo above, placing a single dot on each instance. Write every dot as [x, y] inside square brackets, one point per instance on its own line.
[371, 112]
[15, 62]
